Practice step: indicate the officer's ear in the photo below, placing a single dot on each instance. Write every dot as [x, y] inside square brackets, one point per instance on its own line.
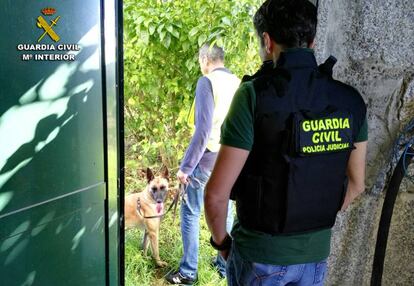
[268, 43]
[271, 48]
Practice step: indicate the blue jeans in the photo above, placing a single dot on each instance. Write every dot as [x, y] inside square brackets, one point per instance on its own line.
[244, 273]
[190, 222]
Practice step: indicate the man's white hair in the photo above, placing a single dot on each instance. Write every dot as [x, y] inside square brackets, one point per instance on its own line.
[213, 53]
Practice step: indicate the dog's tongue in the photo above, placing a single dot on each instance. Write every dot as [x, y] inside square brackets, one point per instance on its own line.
[159, 207]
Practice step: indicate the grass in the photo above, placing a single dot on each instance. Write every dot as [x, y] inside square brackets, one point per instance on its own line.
[141, 270]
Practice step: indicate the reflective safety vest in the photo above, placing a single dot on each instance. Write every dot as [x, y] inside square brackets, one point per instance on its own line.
[305, 124]
[224, 86]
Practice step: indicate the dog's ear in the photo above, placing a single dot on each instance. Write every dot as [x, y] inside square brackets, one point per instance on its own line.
[150, 175]
[165, 173]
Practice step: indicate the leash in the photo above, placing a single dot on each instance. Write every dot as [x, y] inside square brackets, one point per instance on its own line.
[180, 193]
[174, 204]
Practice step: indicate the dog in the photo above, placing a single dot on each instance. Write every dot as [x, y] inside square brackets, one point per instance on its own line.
[145, 209]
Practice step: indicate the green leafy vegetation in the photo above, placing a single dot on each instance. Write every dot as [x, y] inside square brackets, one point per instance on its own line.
[161, 44]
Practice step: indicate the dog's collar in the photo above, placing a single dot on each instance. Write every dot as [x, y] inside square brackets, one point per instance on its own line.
[173, 204]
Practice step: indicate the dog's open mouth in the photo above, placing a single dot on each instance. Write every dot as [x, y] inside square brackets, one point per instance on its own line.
[159, 207]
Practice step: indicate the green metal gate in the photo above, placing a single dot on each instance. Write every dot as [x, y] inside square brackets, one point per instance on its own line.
[60, 177]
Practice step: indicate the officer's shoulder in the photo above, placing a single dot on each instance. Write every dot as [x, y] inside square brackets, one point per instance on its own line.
[264, 70]
[259, 82]
[246, 78]
[245, 86]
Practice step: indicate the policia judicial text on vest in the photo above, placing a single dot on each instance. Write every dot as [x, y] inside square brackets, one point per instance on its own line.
[305, 124]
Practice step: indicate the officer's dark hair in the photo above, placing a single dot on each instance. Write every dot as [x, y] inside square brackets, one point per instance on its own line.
[290, 23]
[213, 52]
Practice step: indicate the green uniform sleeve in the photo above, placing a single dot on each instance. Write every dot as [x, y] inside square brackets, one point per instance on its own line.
[363, 132]
[237, 129]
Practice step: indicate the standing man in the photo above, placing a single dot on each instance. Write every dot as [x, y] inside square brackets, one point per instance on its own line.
[214, 94]
[293, 154]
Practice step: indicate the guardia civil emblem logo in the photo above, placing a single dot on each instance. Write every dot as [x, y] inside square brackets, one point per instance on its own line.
[43, 24]
[46, 25]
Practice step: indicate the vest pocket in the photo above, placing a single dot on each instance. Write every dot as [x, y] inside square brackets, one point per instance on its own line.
[315, 192]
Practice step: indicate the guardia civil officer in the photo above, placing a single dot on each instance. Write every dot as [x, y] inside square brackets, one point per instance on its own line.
[293, 154]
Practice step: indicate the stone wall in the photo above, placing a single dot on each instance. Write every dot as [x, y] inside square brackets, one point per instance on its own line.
[373, 41]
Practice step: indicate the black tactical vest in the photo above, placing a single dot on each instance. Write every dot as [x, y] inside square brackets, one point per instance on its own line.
[305, 123]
